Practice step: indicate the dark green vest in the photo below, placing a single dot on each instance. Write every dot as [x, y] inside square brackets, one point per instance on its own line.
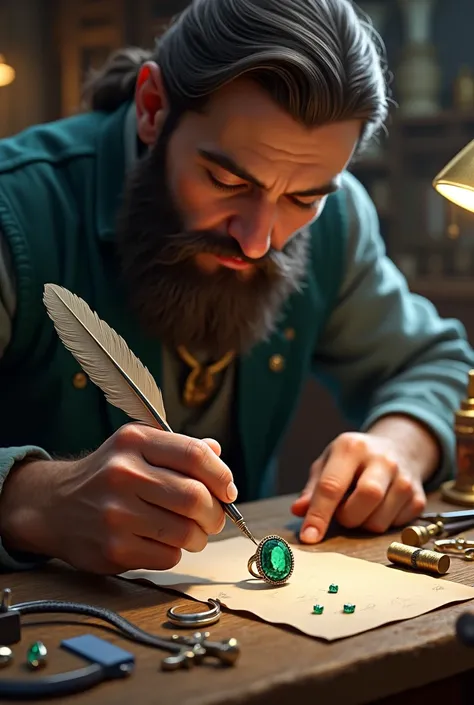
[60, 185]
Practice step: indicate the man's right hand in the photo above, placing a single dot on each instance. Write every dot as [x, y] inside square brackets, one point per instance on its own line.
[135, 502]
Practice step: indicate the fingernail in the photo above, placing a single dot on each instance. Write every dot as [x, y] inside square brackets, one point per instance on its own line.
[231, 492]
[310, 535]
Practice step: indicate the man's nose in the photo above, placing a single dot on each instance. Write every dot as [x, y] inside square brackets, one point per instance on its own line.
[253, 228]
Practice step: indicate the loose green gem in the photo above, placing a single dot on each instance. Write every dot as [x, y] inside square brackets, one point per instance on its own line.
[318, 609]
[349, 608]
[36, 655]
[276, 559]
[333, 588]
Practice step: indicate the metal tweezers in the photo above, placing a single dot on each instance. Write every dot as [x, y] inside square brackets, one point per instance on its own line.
[442, 516]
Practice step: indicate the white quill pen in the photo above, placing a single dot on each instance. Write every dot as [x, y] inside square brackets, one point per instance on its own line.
[110, 364]
[105, 357]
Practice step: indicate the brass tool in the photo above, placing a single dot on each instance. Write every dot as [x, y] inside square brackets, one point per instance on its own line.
[418, 558]
[461, 490]
[420, 535]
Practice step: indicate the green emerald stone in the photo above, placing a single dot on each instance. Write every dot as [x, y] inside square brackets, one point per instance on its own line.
[318, 609]
[36, 655]
[276, 560]
[349, 608]
[333, 588]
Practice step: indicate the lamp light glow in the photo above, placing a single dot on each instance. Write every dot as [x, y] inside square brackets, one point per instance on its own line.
[7, 72]
[456, 180]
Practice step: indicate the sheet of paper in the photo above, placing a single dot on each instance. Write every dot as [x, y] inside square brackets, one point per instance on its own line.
[382, 594]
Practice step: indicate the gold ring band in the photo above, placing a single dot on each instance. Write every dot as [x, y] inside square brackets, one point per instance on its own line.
[250, 564]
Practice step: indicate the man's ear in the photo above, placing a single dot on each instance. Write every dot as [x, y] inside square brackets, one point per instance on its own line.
[150, 101]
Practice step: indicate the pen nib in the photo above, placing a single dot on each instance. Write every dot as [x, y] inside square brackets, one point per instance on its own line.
[243, 527]
[234, 514]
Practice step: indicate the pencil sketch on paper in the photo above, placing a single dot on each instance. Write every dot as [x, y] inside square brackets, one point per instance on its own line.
[403, 602]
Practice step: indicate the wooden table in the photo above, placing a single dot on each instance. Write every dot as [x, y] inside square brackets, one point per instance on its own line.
[276, 666]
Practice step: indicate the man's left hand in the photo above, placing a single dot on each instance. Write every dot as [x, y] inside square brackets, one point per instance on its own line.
[386, 468]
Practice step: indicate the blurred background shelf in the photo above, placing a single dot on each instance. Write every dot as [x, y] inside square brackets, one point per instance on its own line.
[443, 289]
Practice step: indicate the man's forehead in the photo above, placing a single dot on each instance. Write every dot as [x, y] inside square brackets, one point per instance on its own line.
[242, 117]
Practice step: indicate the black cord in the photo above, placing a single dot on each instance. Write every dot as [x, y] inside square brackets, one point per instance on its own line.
[83, 678]
[123, 625]
[53, 686]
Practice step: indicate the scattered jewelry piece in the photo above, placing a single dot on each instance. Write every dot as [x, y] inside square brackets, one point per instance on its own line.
[185, 659]
[349, 608]
[6, 656]
[318, 609]
[273, 559]
[10, 625]
[226, 651]
[333, 588]
[36, 656]
[196, 619]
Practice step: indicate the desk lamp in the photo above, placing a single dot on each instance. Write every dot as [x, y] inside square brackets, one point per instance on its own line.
[456, 183]
[7, 72]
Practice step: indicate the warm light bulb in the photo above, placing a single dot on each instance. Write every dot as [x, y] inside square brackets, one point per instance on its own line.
[456, 180]
[7, 73]
[459, 195]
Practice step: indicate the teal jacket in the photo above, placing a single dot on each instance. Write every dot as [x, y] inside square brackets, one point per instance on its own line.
[379, 348]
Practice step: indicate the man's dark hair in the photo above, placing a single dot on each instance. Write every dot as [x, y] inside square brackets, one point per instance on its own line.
[320, 60]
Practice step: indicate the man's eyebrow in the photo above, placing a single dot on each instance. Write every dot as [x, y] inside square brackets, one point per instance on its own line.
[323, 190]
[227, 163]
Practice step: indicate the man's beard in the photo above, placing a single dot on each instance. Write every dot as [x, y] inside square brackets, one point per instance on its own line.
[174, 300]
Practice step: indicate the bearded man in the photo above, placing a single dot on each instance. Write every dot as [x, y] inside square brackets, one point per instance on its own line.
[202, 206]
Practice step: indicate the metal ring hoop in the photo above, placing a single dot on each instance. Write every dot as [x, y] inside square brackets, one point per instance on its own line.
[196, 619]
[250, 566]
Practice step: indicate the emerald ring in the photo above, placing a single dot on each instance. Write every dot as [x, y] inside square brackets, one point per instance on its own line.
[273, 561]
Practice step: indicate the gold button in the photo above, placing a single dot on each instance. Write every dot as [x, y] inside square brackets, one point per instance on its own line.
[289, 333]
[277, 363]
[79, 380]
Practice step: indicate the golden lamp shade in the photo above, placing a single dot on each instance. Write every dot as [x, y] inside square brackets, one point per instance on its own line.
[7, 73]
[456, 180]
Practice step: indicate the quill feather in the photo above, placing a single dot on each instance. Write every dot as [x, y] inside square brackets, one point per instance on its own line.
[105, 356]
[110, 364]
